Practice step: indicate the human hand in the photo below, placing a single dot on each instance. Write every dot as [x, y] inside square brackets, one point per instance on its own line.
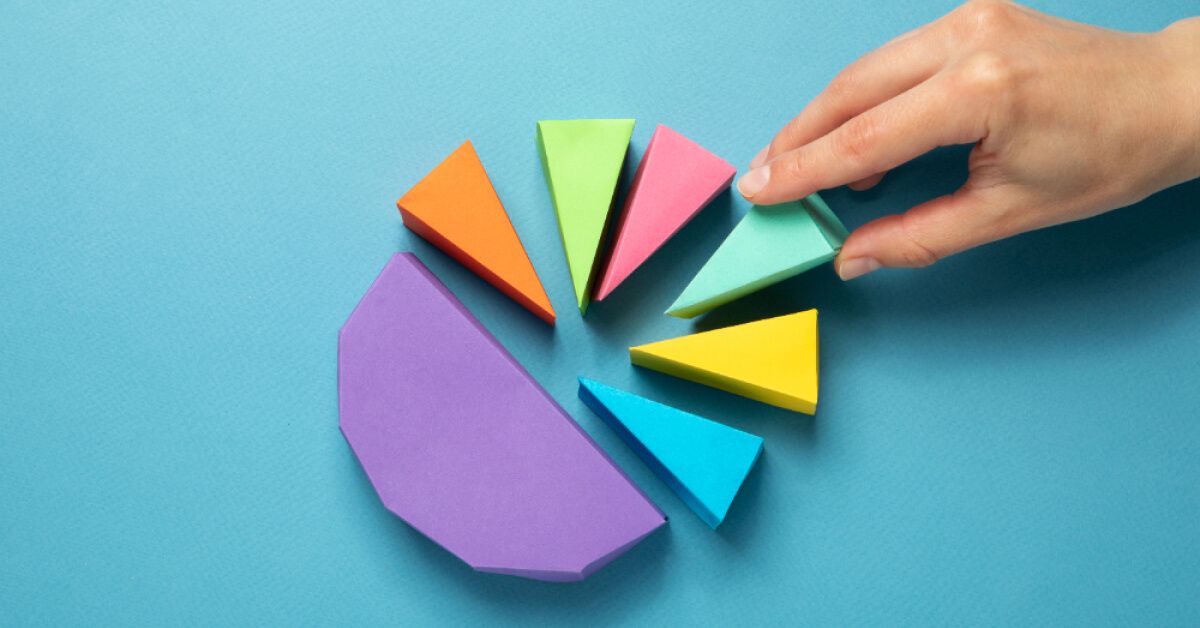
[1068, 121]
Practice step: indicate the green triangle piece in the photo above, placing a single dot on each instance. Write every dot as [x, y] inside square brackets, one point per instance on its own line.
[582, 162]
[703, 461]
[770, 244]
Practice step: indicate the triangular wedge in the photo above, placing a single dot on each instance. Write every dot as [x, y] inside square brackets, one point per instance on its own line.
[582, 163]
[675, 180]
[770, 244]
[703, 461]
[456, 208]
[773, 360]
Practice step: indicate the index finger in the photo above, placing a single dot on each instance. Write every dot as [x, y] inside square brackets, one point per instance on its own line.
[933, 114]
[877, 76]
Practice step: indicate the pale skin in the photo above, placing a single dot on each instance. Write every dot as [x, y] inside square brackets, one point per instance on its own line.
[1068, 121]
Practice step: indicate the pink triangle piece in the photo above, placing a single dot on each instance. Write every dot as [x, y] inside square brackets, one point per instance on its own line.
[676, 179]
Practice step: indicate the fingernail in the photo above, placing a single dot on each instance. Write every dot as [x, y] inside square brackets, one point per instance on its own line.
[754, 181]
[760, 158]
[857, 267]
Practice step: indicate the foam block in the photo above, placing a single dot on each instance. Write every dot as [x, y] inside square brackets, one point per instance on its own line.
[772, 360]
[456, 208]
[703, 461]
[676, 179]
[582, 162]
[461, 443]
[770, 244]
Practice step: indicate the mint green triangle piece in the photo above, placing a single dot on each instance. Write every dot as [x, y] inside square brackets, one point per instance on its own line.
[703, 461]
[770, 244]
[582, 162]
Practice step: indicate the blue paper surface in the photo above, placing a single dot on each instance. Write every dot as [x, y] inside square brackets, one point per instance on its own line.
[193, 196]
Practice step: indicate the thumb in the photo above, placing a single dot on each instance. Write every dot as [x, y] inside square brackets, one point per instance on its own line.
[925, 234]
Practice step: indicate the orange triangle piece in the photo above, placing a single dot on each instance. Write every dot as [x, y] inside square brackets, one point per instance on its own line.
[456, 208]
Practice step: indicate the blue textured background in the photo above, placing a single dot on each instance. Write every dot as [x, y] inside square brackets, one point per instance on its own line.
[193, 198]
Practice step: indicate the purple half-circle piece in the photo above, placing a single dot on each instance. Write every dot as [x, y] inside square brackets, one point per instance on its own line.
[460, 442]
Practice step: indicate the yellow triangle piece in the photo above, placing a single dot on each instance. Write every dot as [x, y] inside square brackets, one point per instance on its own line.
[773, 360]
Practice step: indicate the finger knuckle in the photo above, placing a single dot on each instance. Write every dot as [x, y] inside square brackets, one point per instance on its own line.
[987, 74]
[985, 20]
[857, 139]
[918, 253]
[843, 87]
[788, 168]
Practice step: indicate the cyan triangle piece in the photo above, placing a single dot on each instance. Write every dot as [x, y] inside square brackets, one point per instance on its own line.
[703, 461]
[770, 244]
[582, 162]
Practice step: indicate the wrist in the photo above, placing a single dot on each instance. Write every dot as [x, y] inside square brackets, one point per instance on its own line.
[1181, 45]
